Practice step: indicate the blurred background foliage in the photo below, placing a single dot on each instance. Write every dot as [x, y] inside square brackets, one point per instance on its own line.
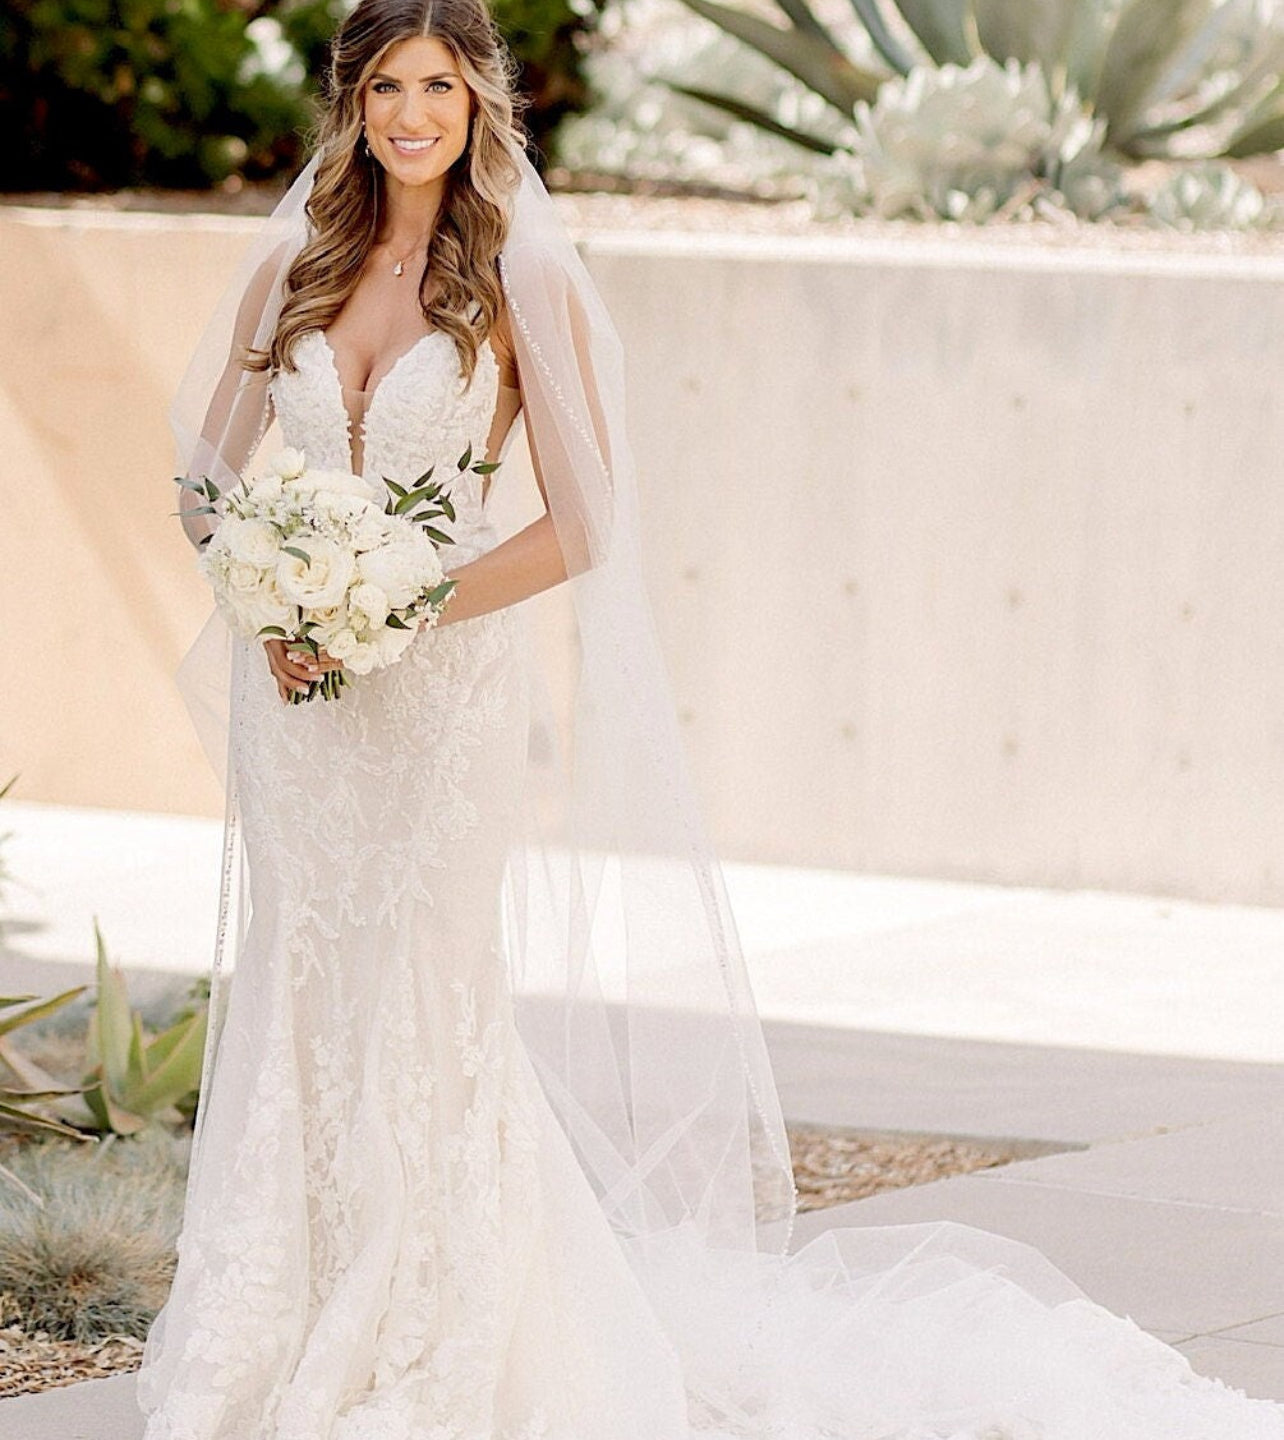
[947, 109]
[100, 94]
[969, 110]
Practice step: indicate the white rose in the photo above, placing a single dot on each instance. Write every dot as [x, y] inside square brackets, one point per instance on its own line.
[319, 581]
[288, 464]
[367, 606]
[329, 620]
[253, 542]
[267, 608]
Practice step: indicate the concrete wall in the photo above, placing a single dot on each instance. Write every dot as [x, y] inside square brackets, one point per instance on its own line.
[967, 559]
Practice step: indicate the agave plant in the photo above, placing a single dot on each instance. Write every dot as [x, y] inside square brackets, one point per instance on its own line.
[970, 143]
[135, 1079]
[1170, 78]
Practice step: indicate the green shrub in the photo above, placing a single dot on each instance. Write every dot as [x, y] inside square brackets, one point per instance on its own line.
[102, 93]
[98, 94]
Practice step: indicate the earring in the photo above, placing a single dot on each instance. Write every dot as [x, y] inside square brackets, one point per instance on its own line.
[365, 142]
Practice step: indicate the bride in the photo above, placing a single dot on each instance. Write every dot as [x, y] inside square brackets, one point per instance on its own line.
[488, 1145]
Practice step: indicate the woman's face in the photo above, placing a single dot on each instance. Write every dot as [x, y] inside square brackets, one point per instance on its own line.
[416, 108]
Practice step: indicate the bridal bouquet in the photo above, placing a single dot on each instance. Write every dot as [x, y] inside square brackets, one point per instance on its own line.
[321, 558]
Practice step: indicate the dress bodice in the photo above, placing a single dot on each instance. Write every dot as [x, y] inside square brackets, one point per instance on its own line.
[421, 413]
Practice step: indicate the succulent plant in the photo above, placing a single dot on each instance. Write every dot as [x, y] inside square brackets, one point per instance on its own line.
[964, 143]
[134, 1079]
[1188, 78]
[1209, 197]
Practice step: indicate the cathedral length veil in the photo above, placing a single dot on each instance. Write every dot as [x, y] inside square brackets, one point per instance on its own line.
[630, 989]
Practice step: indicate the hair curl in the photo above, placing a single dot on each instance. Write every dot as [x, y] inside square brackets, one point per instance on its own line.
[465, 297]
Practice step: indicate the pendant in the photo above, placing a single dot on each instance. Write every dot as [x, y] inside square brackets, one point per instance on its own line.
[399, 268]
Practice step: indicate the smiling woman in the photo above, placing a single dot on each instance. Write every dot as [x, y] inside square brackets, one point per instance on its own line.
[488, 1145]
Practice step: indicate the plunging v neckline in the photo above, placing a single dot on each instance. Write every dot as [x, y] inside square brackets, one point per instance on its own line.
[356, 431]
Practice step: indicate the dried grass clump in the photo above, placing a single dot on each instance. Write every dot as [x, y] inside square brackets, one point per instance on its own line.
[87, 1234]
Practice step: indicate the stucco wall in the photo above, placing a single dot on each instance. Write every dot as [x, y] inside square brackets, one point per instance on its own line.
[967, 561]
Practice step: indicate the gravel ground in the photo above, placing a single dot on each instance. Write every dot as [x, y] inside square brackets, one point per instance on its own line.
[831, 1167]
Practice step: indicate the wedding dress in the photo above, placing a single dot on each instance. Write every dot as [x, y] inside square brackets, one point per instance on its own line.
[401, 1223]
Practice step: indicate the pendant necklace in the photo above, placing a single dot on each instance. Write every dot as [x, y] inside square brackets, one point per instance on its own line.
[400, 267]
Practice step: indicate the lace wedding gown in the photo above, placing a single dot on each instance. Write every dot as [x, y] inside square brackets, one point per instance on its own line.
[397, 1241]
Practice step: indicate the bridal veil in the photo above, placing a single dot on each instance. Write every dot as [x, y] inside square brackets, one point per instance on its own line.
[629, 985]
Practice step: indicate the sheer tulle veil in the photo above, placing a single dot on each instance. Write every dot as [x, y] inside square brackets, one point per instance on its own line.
[630, 988]
[631, 992]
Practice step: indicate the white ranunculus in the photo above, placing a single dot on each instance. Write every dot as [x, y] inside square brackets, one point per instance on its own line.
[319, 581]
[288, 464]
[401, 569]
[254, 542]
[367, 606]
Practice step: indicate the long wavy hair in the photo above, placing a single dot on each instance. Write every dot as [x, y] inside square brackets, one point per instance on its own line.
[464, 296]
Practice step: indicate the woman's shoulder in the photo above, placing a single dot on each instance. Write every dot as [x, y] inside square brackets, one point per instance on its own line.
[501, 342]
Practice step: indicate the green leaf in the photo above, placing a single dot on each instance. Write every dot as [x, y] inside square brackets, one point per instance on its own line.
[742, 110]
[426, 476]
[1262, 138]
[38, 1122]
[36, 1012]
[177, 1069]
[1146, 39]
[394, 622]
[212, 490]
[439, 536]
[887, 45]
[488, 467]
[815, 62]
[941, 27]
[440, 592]
[271, 630]
[115, 1030]
[407, 502]
[803, 19]
[447, 509]
[466, 459]
[297, 553]
[1031, 34]
[189, 484]
[392, 485]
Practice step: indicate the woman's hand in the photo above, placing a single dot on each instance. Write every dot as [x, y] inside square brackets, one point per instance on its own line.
[294, 668]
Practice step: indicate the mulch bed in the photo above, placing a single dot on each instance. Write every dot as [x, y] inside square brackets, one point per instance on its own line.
[831, 1167]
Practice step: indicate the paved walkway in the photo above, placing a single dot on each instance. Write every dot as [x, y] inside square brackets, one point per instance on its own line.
[1144, 1036]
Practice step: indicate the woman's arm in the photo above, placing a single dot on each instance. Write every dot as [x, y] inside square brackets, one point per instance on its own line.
[531, 560]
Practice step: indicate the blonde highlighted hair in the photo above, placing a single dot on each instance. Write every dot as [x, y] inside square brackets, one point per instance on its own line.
[465, 296]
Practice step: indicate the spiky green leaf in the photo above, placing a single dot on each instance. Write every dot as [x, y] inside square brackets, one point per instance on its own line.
[742, 110]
